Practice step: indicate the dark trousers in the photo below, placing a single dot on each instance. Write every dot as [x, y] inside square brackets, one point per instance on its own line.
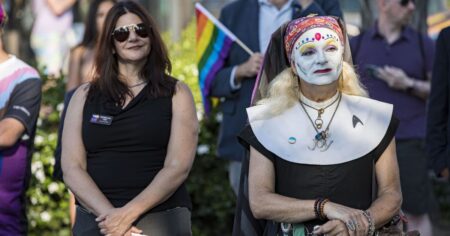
[415, 183]
[176, 221]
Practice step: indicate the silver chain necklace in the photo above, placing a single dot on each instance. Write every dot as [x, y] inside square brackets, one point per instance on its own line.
[138, 84]
[321, 138]
[318, 121]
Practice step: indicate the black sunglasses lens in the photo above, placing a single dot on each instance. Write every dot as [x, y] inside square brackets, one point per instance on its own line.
[121, 35]
[141, 31]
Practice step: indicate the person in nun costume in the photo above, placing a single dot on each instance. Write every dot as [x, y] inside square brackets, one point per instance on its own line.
[322, 154]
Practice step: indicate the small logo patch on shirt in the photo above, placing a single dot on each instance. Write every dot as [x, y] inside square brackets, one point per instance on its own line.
[101, 119]
[356, 120]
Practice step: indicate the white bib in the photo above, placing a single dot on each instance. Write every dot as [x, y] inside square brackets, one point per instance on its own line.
[358, 127]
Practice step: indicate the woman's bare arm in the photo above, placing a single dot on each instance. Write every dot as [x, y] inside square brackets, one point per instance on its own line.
[73, 158]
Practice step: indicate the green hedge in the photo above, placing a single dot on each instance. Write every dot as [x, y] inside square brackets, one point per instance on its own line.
[212, 198]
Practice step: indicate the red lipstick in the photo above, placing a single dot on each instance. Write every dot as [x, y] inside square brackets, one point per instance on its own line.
[323, 71]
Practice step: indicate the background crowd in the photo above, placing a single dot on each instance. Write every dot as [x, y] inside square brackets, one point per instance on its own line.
[391, 45]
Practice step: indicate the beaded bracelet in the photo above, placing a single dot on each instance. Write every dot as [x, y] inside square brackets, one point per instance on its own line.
[370, 221]
[317, 207]
[322, 205]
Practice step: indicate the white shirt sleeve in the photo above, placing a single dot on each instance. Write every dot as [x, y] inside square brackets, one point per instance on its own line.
[234, 86]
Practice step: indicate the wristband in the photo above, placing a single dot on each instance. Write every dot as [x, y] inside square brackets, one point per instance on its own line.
[371, 224]
[317, 207]
[322, 215]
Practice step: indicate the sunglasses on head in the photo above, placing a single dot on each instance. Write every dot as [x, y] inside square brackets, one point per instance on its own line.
[122, 33]
[404, 3]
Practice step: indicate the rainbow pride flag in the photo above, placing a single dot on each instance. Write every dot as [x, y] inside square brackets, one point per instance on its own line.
[214, 41]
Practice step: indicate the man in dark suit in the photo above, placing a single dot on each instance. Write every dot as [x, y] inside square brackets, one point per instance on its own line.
[253, 22]
[438, 115]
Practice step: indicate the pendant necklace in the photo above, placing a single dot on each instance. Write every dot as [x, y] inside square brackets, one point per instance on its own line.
[320, 140]
[318, 122]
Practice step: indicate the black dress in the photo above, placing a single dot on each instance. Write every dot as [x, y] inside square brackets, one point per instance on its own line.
[348, 183]
[126, 148]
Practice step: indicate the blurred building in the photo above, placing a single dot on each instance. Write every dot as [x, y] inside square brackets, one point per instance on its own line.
[173, 15]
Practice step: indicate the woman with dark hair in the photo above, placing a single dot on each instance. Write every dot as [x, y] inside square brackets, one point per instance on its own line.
[130, 135]
[82, 56]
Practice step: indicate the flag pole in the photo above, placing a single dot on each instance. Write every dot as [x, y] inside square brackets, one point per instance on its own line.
[243, 46]
[223, 28]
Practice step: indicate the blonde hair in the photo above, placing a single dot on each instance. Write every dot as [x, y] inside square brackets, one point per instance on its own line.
[284, 91]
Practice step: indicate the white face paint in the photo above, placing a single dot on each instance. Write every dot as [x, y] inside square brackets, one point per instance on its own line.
[317, 56]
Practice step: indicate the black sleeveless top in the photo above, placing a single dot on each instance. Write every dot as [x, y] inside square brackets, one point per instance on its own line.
[126, 148]
[349, 183]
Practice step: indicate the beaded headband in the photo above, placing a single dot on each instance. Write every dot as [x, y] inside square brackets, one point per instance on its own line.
[299, 26]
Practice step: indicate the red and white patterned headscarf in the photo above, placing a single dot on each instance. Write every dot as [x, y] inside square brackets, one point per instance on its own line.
[299, 26]
[278, 54]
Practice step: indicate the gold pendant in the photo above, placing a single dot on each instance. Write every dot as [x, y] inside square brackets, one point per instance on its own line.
[319, 122]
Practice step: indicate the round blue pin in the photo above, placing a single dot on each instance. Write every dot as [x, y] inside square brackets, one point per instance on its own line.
[292, 140]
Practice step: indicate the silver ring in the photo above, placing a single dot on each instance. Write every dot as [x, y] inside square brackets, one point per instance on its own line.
[286, 227]
[350, 225]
